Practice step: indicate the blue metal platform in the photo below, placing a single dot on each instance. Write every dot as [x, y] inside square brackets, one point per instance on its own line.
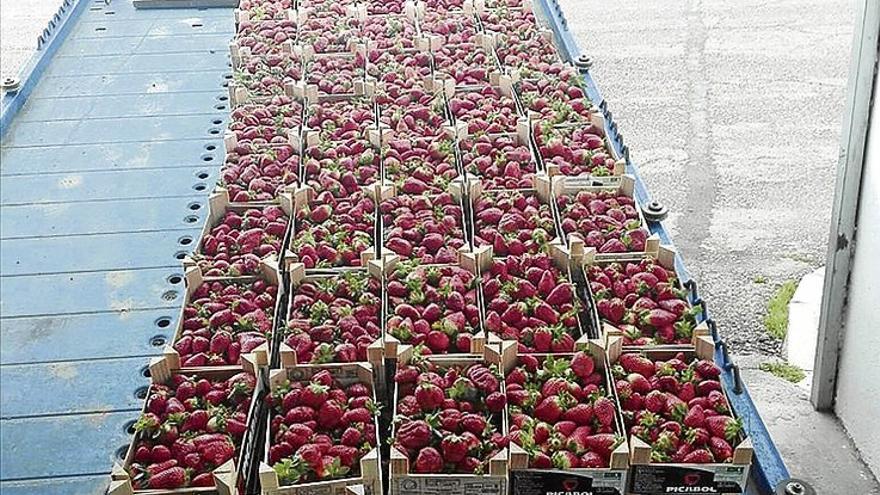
[104, 174]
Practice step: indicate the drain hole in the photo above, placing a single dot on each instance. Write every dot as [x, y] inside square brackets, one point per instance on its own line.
[121, 452]
[100, 29]
[185, 240]
[227, 76]
[145, 371]
[95, 9]
[203, 175]
[225, 84]
[207, 158]
[129, 427]
[175, 279]
[109, 12]
[222, 97]
[197, 25]
[163, 322]
[214, 131]
[170, 295]
[190, 219]
[210, 147]
[180, 255]
[200, 186]
[195, 206]
[217, 121]
[220, 107]
[158, 340]
[141, 393]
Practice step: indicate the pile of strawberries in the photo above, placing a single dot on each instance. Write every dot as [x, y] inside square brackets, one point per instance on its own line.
[333, 231]
[448, 418]
[433, 306]
[560, 411]
[334, 318]
[644, 301]
[191, 426]
[320, 429]
[529, 300]
[677, 406]
[225, 319]
[235, 246]
[424, 228]
[501, 162]
[513, 222]
[605, 220]
[259, 173]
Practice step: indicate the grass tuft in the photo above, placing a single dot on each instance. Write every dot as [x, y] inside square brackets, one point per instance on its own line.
[759, 279]
[776, 319]
[784, 370]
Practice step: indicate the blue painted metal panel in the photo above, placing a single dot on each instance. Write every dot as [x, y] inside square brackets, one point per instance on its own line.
[72, 387]
[86, 336]
[95, 217]
[167, 45]
[140, 84]
[124, 290]
[139, 183]
[135, 105]
[93, 252]
[136, 63]
[79, 485]
[110, 31]
[113, 130]
[36, 447]
[109, 156]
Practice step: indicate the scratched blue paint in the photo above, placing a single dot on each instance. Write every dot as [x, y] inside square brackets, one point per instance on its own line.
[78, 485]
[182, 83]
[110, 31]
[107, 156]
[134, 64]
[138, 183]
[159, 44]
[93, 252]
[135, 105]
[86, 336]
[57, 294]
[72, 387]
[96, 217]
[62, 445]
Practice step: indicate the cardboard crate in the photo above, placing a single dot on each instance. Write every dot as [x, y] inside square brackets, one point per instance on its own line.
[270, 45]
[234, 152]
[553, 169]
[563, 261]
[375, 352]
[665, 256]
[623, 186]
[394, 346]
[303, 197]
[480, 42]
[540, 189]
[229, 477]
[219, 205]
[650, 478]
[193, 277]
[240, 93]
[232, 137]
[530, 481]
[522, 137]
[402, 482]
[458, 194]
[311, 136]
[569, 76]
[501, 83]
[360, 86]
[370, 464]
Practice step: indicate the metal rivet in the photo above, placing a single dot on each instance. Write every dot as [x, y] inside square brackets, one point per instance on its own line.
[163, 322]
[158, 340]
[169, 295]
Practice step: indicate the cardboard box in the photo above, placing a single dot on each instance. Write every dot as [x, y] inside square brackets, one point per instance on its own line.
[650, 478]
[370, 475]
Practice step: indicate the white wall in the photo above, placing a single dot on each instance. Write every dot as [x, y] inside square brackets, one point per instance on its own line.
[858, 381]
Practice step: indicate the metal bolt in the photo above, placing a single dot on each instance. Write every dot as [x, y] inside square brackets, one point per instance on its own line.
[794, 488]
[584, 61]
[10, 84]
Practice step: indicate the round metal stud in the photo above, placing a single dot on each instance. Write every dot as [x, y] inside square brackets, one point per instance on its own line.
[655, 211]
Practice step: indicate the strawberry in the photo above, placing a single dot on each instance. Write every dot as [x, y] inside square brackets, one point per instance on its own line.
[699, 456]
[454, 448]
[429, 396]
[414, 434]
[329, 415]
[582, 364]
[721, 450]
[695, 417]
[592, 460]
[174, 477]
[724, 427]
[495, 402]
[550, 409]
[604, 411]
[428, 461]
[580, 414]
[635, 363]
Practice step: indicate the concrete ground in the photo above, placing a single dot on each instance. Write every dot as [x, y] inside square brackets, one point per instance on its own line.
[732, 110]
[21, 21]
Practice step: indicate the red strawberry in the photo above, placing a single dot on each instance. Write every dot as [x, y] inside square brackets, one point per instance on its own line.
[550, 409]
[639, 383]
[592, 460]
[429, 396]
[580, 414]
[695, 417]
[428, 461]
[604, 411]
[414, 434]
[724, 427]
[351, 437]
[473, 423]
[314, 395]
[582, 364]
[541, 461]
[635, 363]
[495, 402]
[602, 443]
[698, 456]
[174, 477]
[454, 448]
[160, 453]
[330, 415]
[655, 401]
[720, 449]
